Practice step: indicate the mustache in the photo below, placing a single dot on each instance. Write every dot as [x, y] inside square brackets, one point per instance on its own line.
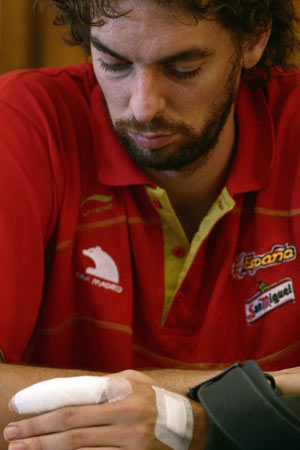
[156, 125]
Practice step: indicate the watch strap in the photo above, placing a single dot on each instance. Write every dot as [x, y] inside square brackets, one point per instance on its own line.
[246, 413]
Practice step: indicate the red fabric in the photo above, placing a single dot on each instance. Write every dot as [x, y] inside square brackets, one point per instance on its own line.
[57, 152]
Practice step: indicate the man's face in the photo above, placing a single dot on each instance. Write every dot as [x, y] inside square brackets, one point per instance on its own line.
[169, 84]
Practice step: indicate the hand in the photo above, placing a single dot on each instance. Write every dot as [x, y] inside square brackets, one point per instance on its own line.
[126, 424]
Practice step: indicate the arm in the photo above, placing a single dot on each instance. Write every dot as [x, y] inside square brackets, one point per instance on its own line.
[15, 378]
[124, 413]
[288, 380]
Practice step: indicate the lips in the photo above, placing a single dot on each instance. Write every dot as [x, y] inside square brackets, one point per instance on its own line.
[152, 141]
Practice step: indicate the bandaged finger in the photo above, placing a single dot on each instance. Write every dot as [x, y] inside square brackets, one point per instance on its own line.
[175, 421]
[73, 391]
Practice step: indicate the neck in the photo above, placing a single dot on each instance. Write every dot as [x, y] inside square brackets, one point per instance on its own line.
[193, 190]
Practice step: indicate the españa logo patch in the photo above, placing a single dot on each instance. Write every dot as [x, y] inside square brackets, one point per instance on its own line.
[268, 299]
[249, 263]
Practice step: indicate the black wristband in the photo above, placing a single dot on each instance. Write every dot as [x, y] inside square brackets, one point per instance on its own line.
[246, 413]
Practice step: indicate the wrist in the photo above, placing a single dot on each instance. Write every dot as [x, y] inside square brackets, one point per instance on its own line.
[242, 399]
[200, 435]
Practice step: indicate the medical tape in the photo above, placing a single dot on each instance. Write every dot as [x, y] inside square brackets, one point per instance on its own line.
[73, 391]
[175, 421]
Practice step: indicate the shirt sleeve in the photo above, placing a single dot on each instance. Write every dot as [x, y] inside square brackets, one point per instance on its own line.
[26, 212]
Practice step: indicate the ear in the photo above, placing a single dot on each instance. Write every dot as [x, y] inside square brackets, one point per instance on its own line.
[254, 49]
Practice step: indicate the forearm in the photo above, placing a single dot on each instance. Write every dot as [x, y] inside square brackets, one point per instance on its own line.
[15, 378]
[288, 380]
[18, 377]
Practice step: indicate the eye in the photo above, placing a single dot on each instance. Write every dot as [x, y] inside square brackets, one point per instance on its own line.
[113, 67]
[182, 74]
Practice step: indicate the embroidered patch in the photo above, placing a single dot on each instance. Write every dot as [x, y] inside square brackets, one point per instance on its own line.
[97, 198]
[100, 203]
[249, 263]
[104, 268]
[268, 299]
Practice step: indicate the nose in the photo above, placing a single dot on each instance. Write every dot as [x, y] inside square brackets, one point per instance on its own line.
[147, 99]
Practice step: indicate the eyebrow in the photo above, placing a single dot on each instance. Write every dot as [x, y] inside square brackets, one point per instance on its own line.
[189, 54]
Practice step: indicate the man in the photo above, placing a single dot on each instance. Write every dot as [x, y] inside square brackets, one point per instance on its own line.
[152, 222]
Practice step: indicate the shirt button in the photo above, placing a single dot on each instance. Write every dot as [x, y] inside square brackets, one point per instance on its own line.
[178, 252]
[157, 203]
[180, 296]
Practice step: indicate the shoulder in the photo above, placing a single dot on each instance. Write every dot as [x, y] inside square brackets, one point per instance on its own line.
[276, 100]
[44, 116]
[281, 82]
[80, 75]
[46, 91]
[282, 91]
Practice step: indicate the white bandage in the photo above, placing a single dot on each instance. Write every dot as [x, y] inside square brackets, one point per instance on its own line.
[175, 421]
[59, 392]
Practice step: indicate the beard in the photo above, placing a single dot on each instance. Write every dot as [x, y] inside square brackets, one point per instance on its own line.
[194, 147]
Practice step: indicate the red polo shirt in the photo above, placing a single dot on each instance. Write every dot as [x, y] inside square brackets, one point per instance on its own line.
[96, 270]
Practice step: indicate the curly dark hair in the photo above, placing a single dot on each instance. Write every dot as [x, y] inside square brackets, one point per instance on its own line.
[244, 18]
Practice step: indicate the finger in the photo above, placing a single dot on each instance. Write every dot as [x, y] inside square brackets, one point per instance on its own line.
[93, 437]
[65, 419]
[57, 393]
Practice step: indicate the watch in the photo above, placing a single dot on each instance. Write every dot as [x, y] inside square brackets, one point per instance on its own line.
[246, 411]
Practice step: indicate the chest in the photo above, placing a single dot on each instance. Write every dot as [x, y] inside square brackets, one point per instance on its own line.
[110, 279]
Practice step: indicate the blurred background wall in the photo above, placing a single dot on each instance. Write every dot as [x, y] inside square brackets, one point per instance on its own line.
[28, 38]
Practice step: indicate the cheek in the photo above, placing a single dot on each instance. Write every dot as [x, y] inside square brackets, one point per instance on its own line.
[115, 92]
[193, 105]
[199, 99]
[196, 97]
[116, 96]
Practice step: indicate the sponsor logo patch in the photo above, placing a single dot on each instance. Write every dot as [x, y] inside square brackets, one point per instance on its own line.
[249, 263]
[104, 268]
[268, 299]
[97, 198]
[103, 202]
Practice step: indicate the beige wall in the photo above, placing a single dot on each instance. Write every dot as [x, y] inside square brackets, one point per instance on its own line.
[52, 50]
[28, 38]
[15, 34]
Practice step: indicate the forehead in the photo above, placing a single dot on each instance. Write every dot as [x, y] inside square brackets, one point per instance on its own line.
[154, 30]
